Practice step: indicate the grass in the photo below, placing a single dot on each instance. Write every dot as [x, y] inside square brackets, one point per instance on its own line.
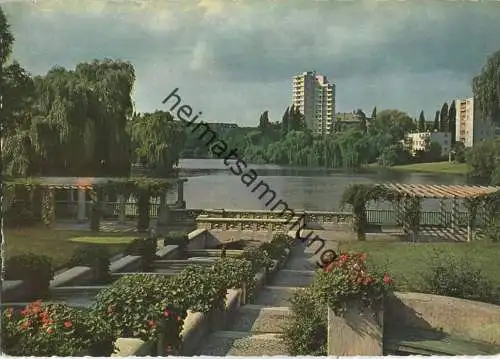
[434, 167]
[406, 262]
[59, 245]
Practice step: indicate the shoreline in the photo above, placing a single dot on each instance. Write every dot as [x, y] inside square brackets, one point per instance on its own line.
[434, 167]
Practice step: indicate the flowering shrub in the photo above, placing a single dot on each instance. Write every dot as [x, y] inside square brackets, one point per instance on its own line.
[144, 306]
[233, 272]
[199, 289]
[54, 329]
[345, 280]
[35, 270]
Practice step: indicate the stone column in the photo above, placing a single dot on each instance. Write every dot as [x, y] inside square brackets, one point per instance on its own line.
[121, 208]
[82, 205]
[180, 194]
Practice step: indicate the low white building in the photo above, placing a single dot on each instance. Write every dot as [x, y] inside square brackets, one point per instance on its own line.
[421, 140]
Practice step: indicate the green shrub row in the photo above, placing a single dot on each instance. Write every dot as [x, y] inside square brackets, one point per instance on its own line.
[144, 305]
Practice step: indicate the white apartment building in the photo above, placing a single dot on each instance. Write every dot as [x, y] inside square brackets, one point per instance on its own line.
[420, 140]
[471, 128]
[315, 97]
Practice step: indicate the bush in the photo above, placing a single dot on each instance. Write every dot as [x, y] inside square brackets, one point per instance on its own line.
[345, 280]
[276, 248]
[457, 277]
[54, 330]
[35, 270]
[176, 238]
[492, 232]
[144, 306]
[258, 257]
[144, 247]
[305, 332]
[95, 257]
[200, 289]
[233, 272]
[19, 215]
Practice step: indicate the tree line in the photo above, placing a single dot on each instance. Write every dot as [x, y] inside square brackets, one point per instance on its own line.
[79, 122]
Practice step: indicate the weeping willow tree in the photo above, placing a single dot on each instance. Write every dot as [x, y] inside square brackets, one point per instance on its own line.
[486, 88]
[67, 123]
[157, 141]
[358, 196]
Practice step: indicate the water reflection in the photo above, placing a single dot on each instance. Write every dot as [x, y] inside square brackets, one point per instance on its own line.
[212, 185]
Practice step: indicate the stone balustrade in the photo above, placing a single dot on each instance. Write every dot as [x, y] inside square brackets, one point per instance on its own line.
[244, 224]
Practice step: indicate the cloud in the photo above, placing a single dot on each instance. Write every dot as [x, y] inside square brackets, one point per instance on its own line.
[235, 59]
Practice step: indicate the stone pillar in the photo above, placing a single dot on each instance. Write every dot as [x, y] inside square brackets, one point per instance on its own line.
[358, 332]
[121, 208]
[454, 216]
[82, 205]
[180, 194]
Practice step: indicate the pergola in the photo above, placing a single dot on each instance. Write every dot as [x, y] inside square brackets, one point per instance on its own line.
[86, 185]
[413, 194]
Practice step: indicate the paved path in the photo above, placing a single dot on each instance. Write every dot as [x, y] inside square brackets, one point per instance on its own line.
[257, 328]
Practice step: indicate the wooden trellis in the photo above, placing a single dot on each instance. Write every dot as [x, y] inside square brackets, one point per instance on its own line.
[413, 194]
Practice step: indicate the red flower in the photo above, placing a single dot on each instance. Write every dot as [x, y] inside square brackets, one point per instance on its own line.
[152, 323]
[26, 324]
[50, 330]
[110, 309]
[387, 279]
[68, 324]
[343, 257]
[166, 313]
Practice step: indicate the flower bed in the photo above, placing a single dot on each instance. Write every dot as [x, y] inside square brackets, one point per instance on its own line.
[345, 281]
[54, 329]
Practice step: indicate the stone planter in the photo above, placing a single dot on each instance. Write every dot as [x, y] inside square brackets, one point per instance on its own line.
[357, 332]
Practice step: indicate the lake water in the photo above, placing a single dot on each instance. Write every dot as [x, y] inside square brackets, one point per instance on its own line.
[212, 185]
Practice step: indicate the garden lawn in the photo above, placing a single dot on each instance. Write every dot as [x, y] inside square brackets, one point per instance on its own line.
[434, 167]
[406, 262]
[59, 245]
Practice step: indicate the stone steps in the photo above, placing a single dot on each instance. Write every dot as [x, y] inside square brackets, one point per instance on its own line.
[291, 277]
[275, 296]
[224, 343]
[260, 319]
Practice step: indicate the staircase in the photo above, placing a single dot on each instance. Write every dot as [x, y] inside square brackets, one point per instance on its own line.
[256, 330]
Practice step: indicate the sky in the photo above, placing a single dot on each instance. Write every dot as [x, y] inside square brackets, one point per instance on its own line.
[233, 59]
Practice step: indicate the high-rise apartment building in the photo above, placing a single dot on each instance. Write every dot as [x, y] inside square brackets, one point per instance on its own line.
[315, 97]
[471, 127]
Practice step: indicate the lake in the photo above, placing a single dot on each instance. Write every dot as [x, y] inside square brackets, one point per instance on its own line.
[212, 185]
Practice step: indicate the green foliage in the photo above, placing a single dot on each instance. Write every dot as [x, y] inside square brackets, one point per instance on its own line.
[234, 272]
[484, 162]
[344, 281]
[157, 141]
[144, 247]
[143, 306]
[95, 257]
[34, 269]
[199, 289]
[486, 88]
[276, 248]
[55, 330]
[177, 238]
[492, 232]
[358, 196]
[305, 332]
[457, 277]
[258, 257]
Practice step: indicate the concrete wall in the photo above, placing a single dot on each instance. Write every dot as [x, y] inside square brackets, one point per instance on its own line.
[452, 315]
